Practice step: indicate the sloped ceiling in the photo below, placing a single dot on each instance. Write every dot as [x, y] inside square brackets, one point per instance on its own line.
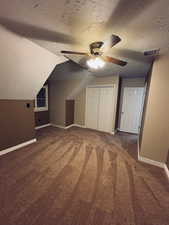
[69, 71]
[74, 24]
[24, 66]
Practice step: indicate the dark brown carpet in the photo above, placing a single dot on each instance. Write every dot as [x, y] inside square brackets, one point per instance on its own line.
[80, 177]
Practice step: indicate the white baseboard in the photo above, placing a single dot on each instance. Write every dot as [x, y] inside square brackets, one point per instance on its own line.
[153, 162]
[75, 125]
[58, 126]
[78, 125]
[166, 170]
[67, 127]
[16, 147]
[45, 125]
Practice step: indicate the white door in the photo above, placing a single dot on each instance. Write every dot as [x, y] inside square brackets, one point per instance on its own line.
[99, 108]
[92, 104]
[132, 104]
[106, 109]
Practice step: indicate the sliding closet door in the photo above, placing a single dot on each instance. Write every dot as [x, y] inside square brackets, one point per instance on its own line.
[106, 109]
[92, 104]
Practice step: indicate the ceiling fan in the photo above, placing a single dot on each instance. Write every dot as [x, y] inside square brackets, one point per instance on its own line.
[97, 53]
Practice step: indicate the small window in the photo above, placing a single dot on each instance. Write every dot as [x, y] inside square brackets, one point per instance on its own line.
[41, 101]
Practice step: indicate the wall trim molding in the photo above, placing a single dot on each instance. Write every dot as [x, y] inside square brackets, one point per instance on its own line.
[152, 162]
[76, 125]
[45, 125]
[166, 170]
[16, 147]
[67, 127]
[58, 126]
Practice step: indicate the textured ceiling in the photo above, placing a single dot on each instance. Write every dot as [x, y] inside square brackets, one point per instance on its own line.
[73, 24]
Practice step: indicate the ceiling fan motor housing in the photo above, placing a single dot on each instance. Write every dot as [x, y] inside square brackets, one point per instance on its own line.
[95, 48]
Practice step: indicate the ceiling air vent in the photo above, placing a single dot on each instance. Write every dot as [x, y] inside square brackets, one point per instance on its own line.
[152, 52]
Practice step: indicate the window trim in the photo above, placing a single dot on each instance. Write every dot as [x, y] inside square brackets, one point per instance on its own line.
[40, 109]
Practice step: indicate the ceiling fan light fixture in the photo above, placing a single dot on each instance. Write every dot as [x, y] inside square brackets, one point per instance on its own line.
[97, 50]
[96, 63]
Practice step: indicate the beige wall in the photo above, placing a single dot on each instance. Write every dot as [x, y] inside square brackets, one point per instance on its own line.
[60, 91]
[155, 134]
[24, 68]
[16, 122]
[80, 102]
[67, 89]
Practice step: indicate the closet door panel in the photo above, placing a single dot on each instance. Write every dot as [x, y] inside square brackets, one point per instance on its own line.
[106, 109]
[92, 104]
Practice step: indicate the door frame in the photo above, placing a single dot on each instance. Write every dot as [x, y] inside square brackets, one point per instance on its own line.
[114, 103]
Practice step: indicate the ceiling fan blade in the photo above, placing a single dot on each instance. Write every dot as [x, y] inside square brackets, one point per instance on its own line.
[35, 32]
[74, 53]
[114, 60]
[112, 41]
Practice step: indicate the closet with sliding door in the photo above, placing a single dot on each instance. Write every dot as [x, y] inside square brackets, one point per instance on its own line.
[100, 107]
